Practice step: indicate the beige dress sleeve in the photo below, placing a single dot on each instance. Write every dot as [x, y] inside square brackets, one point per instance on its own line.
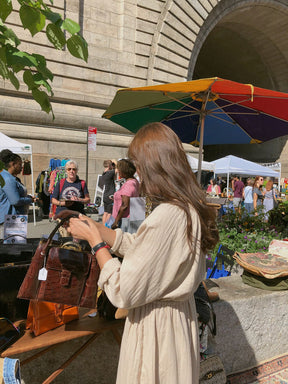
[157, 264]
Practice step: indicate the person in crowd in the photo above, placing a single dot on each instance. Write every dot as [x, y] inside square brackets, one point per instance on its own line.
[269, 198]
[163, 263]
[276, 193]
[221, 183]
[237, 187]
[107, 181]
[13, 195]
[257, 193]
[213, 189]
[248, 196]
[121, 206]
[71, 192]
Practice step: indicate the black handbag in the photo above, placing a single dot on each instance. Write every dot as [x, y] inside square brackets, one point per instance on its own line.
[8, 333]
[205, 309]
[105, 308]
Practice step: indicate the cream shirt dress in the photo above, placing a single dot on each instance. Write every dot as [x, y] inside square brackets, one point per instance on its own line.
[156, 282]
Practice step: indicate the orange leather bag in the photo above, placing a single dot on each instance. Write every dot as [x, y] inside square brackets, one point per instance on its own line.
[43, 316]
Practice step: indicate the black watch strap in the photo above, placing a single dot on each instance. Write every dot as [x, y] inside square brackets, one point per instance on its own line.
[97, 247]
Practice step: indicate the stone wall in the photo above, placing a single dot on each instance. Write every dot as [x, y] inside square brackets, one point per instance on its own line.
[131, 43]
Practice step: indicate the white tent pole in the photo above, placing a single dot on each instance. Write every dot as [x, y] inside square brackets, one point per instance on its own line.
[279, 180]
[32, 181]
[228, 184]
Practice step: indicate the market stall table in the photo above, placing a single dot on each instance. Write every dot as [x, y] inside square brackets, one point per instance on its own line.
[85, 326]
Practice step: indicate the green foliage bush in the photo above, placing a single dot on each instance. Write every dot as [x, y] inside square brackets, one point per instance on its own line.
[241, 232]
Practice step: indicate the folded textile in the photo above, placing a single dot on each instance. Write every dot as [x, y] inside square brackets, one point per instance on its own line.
[267, 265]
[279, 247]
[11, 371]
[277, 284]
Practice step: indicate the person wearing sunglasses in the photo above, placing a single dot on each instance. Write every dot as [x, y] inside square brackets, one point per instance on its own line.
[71, 192]
[258, 196]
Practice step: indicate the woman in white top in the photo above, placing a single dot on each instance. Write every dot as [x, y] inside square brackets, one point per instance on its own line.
[163, 264]
[248, 196]
[269, 198]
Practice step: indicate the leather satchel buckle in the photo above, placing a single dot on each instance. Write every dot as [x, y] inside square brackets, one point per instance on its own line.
[65, 278]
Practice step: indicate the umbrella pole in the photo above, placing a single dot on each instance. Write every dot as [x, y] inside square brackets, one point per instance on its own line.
[202, 117]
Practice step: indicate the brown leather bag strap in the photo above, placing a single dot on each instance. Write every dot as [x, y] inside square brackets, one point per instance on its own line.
[56, 229]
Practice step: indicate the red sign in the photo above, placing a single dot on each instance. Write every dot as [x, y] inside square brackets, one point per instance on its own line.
[92, 134]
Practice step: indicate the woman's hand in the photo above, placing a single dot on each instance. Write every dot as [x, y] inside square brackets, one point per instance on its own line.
[84, 228]
[106, 234]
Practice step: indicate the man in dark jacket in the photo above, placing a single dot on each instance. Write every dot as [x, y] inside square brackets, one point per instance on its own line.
[106, 181]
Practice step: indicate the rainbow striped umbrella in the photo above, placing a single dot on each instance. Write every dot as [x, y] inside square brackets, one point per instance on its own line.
[205, 112]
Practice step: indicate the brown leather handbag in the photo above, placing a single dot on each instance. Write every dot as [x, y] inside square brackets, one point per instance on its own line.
[43, 316]
[64, 274]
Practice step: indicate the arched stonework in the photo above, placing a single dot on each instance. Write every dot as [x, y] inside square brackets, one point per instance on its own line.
[261, 24]
[136, 43]
[172, 38]
[242, 40]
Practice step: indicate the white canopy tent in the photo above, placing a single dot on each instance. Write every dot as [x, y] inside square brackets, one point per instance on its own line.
[21, 149]
[206, 166]
[235, 165]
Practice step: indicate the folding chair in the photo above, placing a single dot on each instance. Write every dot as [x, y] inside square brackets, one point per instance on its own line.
[224, 256]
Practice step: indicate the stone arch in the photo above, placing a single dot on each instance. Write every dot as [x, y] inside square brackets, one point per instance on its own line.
[173, 39]
[264, 42]
[184, 27]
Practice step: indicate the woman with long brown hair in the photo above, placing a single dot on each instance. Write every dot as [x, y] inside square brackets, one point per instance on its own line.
[257, 193]
[121, 200]
[163, 264]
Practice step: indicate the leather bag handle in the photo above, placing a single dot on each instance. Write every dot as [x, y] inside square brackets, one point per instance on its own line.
[44, 252]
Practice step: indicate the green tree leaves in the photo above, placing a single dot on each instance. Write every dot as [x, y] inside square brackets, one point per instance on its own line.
[71, 26]
[78, 47]
[5, 9]
[32, 19]
[55, 35]
[35, 15]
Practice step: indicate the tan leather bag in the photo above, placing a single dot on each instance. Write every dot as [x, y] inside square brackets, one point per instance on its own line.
[43, 316]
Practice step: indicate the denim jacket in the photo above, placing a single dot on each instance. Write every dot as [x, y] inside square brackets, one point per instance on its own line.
[12, 197]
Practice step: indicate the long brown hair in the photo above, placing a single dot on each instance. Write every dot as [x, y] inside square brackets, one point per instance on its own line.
[256, 181]
[166, 176]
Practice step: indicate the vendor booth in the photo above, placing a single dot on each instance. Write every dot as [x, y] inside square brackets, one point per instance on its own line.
[23, 150]
[206, 165]
[235, 165]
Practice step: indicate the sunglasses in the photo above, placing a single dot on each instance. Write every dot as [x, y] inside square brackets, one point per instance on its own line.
[71, 169]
